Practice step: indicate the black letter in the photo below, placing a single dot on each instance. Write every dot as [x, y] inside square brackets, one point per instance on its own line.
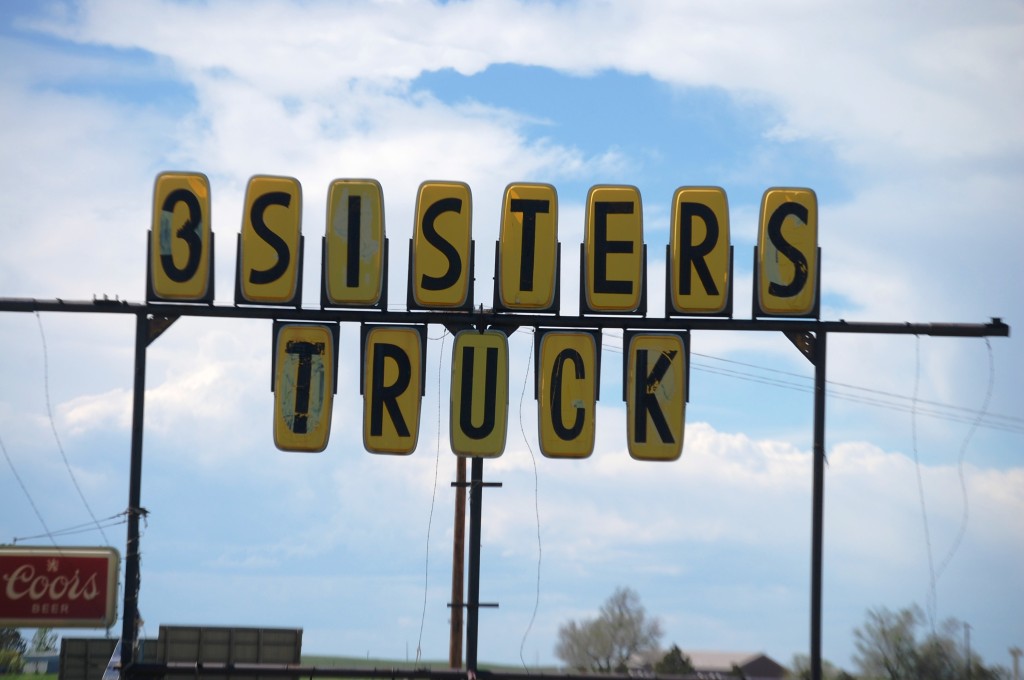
[794, 287]
[355, 205]
[188, 233]
[602, 209]
[693, 255]
[447, 249]
[305, 350]
[566, 433]
[490, 393]
[644, 386]
[259, 206]
[529, 208]
[388, 396]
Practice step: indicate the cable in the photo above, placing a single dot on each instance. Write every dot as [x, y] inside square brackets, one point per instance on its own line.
[53, 428]
[536, 509]
[31, 502]
[433, 499]
[108, 522]
[932, 603]
[965, 516]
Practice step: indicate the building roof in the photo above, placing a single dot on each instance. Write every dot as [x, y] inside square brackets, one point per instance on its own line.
[723, 662]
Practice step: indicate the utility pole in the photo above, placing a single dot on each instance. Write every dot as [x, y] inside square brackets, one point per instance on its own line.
[967, 643]
[1015, 653]
[458, 565]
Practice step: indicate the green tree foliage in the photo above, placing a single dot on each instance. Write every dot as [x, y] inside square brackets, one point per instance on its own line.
[12, 646]
[891, 646]
[800, 669]
[44, 640]
[605, 643]
[674, 663]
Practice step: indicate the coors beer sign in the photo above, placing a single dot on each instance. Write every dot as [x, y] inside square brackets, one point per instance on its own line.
[58, 587]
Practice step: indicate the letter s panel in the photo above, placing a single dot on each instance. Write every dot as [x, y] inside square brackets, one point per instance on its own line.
[271, 239]
[304, 356]
[442, 244]
[180, 245]
[392, 389]
[567, 394]
[656, 396]
[787, 247]
[479, 393]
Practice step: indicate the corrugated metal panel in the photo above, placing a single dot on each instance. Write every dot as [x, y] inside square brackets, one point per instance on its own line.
[213, 644]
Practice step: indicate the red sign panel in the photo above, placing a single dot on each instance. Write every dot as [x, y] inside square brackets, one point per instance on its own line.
[58, 587]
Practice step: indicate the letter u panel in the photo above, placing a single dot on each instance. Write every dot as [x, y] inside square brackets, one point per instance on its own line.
[181, 239]
[392, 389]
[567, 393]
[479, 393]
[304, 369]
[787, 260]
[656, 395]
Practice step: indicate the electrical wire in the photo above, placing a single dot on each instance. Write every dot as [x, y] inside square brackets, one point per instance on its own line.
[433, 499]
[931, 600]
[107, 522]
[536, 509]
[24, 489]
[53, 428]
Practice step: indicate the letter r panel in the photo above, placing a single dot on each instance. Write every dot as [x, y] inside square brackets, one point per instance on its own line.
[699, 245]
[392, 390]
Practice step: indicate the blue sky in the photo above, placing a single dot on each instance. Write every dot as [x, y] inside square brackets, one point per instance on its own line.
[904, 119]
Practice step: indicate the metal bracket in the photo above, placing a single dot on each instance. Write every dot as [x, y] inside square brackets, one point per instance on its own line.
[157, 326]
[805, 341]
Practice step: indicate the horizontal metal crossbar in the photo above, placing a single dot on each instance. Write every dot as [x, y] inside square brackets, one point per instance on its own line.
[487, 318]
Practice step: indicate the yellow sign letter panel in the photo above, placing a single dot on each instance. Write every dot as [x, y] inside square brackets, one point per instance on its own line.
[479, 393]
[656, 396]
[787, 246]
[613, 239]
[303, 387]
[179, 249]
[528, 246]
[268, 268]
[441, 245]
[567, 392]
[699, 247]
[354, 265]
[392, 390]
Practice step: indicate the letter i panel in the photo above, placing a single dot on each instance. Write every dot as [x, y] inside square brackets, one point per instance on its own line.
[180, 263]
[305, 380]
[270, 243]
[355, 245]
[479, 393]
[568, 376]
[392, 384]
[655, 386]
[786, 261]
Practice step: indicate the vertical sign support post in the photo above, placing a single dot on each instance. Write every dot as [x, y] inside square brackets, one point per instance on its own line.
[817, 502]
[476, 493]
[129, 632]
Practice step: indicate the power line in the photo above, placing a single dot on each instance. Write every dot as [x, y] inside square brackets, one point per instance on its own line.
[24, 489]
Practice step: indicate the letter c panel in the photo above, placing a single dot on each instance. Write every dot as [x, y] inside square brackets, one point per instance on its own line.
[479, 393]
[787, 254]
[567, 393]
[392, 389]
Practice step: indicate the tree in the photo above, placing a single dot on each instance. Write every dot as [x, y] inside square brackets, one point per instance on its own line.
[674, 663]
[889, 648]
[604, 644]
[44, 640]
[12, 646]
[800, 669]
